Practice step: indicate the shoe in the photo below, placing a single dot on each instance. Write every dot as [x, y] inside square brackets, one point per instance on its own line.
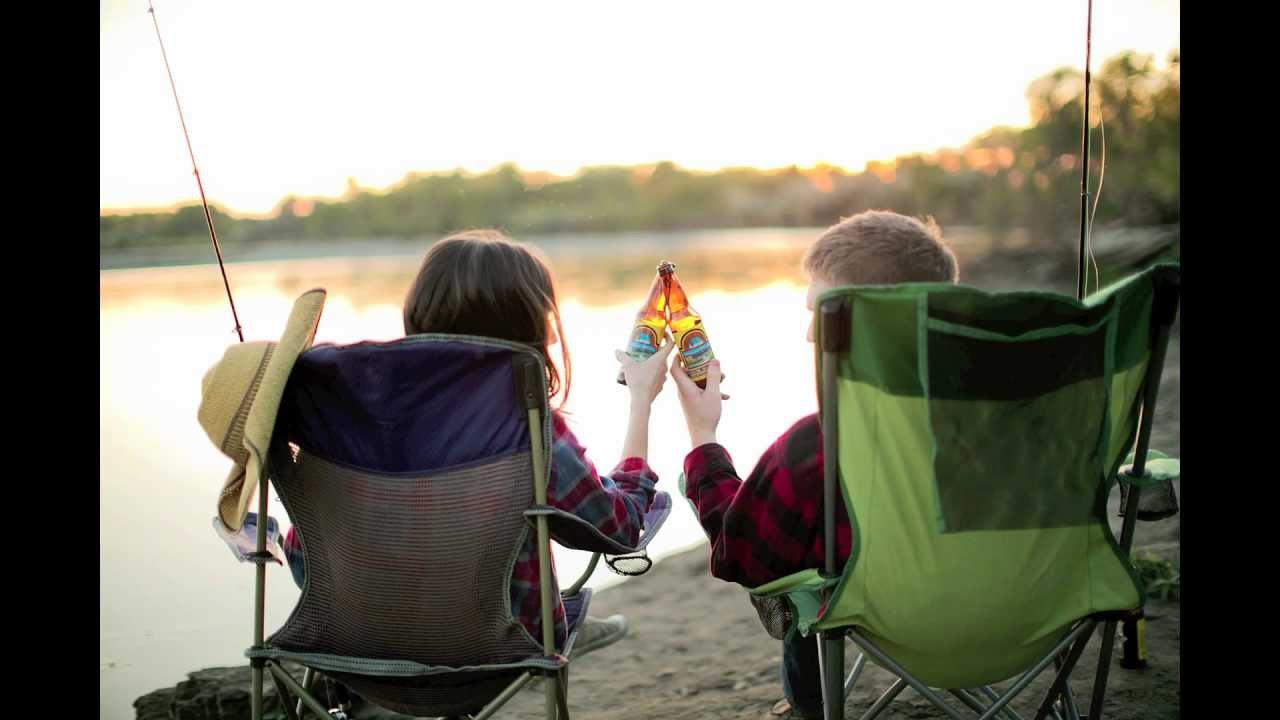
[782, 710]
[594, 633]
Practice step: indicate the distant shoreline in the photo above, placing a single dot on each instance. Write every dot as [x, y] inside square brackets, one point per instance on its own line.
[554, 244]
[578, 243]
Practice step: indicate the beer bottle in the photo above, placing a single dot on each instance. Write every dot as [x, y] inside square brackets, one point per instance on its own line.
[1134, 653]
[651, 321]
[690, 335]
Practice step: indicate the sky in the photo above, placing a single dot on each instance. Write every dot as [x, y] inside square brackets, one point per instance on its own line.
[291, 97]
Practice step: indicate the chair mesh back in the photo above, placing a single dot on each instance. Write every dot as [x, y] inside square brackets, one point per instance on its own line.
[433, 695]
[1018, 420]
[775, 614]
[409, 567]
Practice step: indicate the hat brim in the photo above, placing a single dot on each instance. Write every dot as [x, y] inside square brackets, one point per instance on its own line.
[299, 333]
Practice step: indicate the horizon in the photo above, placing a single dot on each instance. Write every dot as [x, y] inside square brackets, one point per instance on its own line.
[525, 173]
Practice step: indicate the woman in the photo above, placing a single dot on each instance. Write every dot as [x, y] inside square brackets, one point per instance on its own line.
[480, 282]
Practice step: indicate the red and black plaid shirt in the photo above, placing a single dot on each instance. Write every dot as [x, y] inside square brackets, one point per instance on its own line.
[769, 525]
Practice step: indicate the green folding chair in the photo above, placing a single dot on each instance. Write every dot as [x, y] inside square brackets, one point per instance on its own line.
[975, 438]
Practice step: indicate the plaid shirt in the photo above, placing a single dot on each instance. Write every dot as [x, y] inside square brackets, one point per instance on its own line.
[770, 525]
[615, 504]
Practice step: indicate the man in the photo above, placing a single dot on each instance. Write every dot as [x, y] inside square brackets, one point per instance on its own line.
[770, 525]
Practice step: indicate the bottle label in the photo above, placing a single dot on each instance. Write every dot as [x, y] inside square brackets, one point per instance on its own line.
[644, 342]
[695, 350]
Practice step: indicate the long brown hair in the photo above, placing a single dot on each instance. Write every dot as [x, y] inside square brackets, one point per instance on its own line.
[481, 282]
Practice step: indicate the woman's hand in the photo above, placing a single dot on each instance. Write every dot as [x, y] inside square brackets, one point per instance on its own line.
[645, 378]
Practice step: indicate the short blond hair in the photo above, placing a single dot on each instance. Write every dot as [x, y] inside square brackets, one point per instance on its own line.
[880, 247]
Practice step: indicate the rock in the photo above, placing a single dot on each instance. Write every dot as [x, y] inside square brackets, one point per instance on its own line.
[224, 694]
[211, 694]
[155, 706]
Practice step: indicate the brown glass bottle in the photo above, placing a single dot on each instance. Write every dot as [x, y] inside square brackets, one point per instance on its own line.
[651, 320]
[690, 336]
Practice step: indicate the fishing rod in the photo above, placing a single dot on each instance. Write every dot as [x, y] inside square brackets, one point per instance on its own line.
[208, 217]
[1084, 153]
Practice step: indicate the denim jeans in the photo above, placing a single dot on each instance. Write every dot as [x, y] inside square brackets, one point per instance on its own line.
[801, 680]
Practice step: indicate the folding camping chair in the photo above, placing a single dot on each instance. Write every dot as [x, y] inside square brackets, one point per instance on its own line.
[975, 438]
[414, 472]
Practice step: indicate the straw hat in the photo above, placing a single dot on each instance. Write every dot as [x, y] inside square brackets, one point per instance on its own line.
[240, 396]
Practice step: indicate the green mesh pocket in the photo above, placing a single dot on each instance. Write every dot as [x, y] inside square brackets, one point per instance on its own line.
[1018, 425]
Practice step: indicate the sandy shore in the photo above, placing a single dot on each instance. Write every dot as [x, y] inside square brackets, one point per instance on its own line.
[696, 650]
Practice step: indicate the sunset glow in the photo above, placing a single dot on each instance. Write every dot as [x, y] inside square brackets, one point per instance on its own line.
[299, 99]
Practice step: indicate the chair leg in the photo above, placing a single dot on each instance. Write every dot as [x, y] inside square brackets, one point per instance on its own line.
[991, 695]
[888, 663]
[976, 695]
[885, 698]
[1069, 700]
[1082, 630]
[832, 666]
[968, 700]
[308, 681]
[283, 693]
[255, 694]
[562, 693]
[550, 680]
[344, 697]
[1065, 666]
[307, 698]
[502, 698]
[858, 665]
[971, 701]
[1104, 668]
